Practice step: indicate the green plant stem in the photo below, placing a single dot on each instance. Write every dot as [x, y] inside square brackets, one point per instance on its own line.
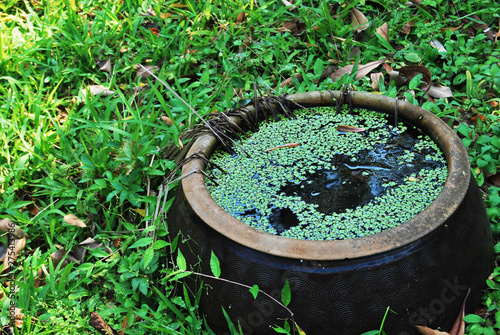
[246, 286]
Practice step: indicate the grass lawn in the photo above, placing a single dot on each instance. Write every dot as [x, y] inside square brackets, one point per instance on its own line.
[85, 128]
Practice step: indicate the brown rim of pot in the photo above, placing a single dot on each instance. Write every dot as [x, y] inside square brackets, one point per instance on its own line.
[422, 224]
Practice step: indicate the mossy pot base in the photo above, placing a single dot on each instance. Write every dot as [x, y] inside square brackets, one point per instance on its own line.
[421, 269]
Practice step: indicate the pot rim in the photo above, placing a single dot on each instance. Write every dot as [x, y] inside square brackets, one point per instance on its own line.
[434, 216]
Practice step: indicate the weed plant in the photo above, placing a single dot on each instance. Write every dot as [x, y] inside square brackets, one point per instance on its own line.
[82, 138]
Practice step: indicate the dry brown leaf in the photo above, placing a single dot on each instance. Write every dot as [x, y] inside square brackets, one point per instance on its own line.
[240, 18]
[407, 73]
[495, 179]
[146, 71]
[288, 4]
[88, 240]
[429, 331]
[440, 91]
[167, 120]
[6, 224]
[350, 129]
[33, 207]
[59, 256]
[295, 27]
[451, 28]
[363, 70]
[124, 325]
[375, 79]
[383, 31]
[289, 80]
[106, 66]
[407, 27]
[288, 145]
[387, 68]
[458, 327]
[98, 90]
[73, 220]
[98, 323]
[13, 253]
[480, 26]
[359, 21]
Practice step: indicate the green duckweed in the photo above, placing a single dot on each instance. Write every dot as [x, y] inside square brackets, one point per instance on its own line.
[277, 191]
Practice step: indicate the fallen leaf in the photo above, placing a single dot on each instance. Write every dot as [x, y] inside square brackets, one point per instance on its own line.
[98, 90]
[375, 79]
[167, 120]
[146, 71]
[407, 73]
[383, 31]
[124, 325]
[288, 4]
[359, 21]
[480, 26]
[494, 179]
[88, 240]
[288, 145]
[105, 66]
[327, 72]
[387, 68]
[73, 220]
[363, 70]
[240, 18]
[452, 28]
[6, 224]
[289, 80]
[478, 116]
[350, 129]
[117, 242]
[13, 253]
[33, 207]
[458, 327]
[493, 103]
[440, 91]
[407, 27]
[438, 45]
[295, 27]
[100, 325]
[155, 31]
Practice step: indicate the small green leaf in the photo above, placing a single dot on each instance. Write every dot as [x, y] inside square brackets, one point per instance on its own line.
[160, 244]
[214, 265]
[180, 275]
[255, 291]
[416, 81]
[280, 330]
[142, 242]
[148, 256]
[318, 67]
[497, 248]
[473, 318]
[286, 294]
[181, 261]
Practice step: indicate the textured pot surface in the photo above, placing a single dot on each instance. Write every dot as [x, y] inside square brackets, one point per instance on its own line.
[421, 269]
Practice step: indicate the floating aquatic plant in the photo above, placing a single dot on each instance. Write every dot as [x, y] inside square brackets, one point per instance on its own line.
[313, 177]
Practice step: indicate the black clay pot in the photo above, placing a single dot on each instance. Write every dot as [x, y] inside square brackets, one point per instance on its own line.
[421, 269]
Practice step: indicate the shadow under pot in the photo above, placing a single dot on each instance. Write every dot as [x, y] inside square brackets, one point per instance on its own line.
[421, 269]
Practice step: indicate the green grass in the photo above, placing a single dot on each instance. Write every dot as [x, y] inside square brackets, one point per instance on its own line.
[102, 158]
